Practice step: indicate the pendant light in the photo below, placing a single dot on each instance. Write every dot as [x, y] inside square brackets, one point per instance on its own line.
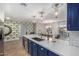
[41, 14]
[56, 7]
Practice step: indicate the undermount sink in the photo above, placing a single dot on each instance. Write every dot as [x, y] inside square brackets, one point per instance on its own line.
[37, 39]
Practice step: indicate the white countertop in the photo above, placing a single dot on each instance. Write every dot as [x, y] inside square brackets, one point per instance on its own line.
[60, 47]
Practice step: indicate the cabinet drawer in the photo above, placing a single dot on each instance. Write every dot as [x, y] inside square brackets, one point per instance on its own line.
[52, 54]
[37, 50]
[34, 49]
[42, 51]
[30, 47]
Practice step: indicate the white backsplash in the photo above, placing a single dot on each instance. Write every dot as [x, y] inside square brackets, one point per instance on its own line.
[74, 38]
[1, 14]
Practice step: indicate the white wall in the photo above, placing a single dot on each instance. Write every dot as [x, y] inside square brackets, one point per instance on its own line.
[22, 30]
[1, 13]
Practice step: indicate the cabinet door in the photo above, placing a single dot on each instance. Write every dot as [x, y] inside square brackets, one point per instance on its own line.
[52, 54]
[34, 49]
[30, 47]
[72, 16]
[69, 16]
[42, 51]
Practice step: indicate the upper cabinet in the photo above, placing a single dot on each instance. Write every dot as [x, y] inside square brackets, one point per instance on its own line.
[73, 16]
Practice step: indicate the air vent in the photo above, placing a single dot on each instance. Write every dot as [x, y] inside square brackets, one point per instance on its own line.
[23, 4]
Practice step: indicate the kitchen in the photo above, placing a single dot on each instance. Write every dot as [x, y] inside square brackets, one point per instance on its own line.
[40, 29]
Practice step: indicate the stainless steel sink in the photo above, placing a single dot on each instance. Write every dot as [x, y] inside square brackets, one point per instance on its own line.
[37, 39]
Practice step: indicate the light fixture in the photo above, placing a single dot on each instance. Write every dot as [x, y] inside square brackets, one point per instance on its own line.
[56, 13]
[7, 17]
[34, 19]
[41, 14]
[56, 7]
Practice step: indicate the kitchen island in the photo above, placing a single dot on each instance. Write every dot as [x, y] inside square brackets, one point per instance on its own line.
[59, 48]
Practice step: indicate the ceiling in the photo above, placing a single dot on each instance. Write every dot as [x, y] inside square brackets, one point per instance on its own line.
[25, 13]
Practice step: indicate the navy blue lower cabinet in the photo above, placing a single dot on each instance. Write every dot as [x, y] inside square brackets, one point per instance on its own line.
[27, 45]
[52, 54]
[30, 47]
[34, 49]
[37, 50]
[42, 51]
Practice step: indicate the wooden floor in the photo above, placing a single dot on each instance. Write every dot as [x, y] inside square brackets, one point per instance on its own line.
[14, 48]
[1, 48]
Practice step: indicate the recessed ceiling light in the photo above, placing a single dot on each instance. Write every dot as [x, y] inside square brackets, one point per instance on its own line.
[7, 17]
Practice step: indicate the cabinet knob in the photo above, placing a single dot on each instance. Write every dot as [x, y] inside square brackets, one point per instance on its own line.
[41, 48]
[34, 44]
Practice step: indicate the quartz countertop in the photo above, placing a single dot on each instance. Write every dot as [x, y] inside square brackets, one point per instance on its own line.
[61, 47]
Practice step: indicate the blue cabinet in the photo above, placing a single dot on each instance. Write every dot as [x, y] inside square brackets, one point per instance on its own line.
[52, 53]
[30, 47]
[42, 51]
[34, 49]
[37, 50]
[73, 16]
